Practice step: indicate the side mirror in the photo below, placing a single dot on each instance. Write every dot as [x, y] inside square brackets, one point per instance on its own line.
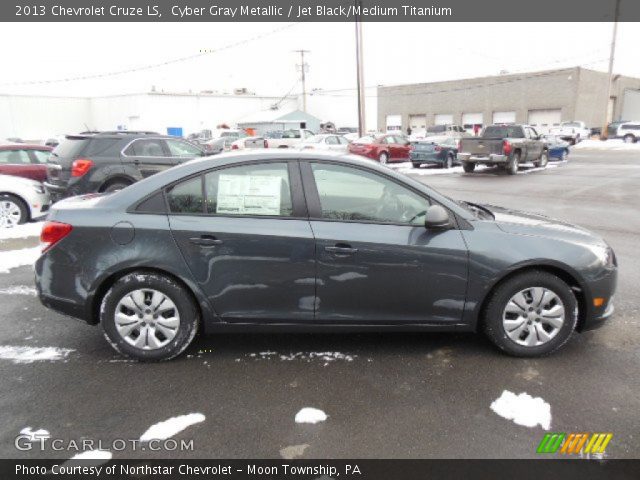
[437, 217]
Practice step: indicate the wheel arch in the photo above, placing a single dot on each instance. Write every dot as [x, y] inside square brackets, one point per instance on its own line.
[115, 178]
[563, 272]
[21, 199]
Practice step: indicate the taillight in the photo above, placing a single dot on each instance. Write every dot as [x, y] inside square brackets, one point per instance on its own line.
[266, 144]
[234, 146]
[80, 167]
[459, 145]
[52, 233]
[506, 147]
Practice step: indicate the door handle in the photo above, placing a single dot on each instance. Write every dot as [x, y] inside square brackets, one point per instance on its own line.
[341, 249]
[206, 241]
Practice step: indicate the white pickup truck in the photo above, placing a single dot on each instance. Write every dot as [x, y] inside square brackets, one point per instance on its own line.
[287, 138]
[572, 132]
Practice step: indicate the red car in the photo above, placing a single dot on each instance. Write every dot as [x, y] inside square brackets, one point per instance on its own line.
[27, 161]
[383, 148]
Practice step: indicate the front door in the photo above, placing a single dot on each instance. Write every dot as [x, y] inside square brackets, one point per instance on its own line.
[376, 262]
[244, 234]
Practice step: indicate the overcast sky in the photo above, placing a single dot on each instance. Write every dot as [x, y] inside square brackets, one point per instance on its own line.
[395, 53]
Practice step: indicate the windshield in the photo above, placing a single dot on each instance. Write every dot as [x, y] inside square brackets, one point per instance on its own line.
[571, 124]
[478, 211]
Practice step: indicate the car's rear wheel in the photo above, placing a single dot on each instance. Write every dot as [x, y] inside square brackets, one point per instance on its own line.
[542, 161]
[13, 211]
[564, 156]
[448, 163]
[468, 167]
[512, 164]
[115, 186]
[629, 138]
[531, 314]
[384, 158]
[415, 165]
[149, 317]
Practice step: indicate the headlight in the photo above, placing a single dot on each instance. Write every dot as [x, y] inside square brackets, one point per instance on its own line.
[39, 188]
[605, 255]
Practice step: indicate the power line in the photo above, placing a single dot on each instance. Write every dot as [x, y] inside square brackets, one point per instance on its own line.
[153, 65]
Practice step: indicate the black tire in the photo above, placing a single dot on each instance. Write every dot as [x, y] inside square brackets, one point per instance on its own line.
[415, 165]
[565, 155]
[448, 162]
[512, 165]
[468, 167]
[383, 158]
[180, 296]
[115, 186]
[11, 202]
[492, 318]
[628, 138]
[543, 160]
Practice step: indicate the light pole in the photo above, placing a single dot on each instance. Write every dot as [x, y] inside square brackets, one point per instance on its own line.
[303, 71]
[360, 72]
[603, 132]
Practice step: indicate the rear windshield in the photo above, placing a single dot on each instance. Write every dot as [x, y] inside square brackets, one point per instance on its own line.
[570, 124]
[437, 128]
[70, 147]
[496, 131]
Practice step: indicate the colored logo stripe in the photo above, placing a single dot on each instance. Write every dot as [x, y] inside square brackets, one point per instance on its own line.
[551, 442]
[574, 443]
[598, 443]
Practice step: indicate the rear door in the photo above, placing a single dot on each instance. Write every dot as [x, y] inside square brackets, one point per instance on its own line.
[148, 156]
[18, 162]
[244, 233]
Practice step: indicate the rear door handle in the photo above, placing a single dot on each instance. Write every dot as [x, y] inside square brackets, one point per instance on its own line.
[205, 241]
[341, 249]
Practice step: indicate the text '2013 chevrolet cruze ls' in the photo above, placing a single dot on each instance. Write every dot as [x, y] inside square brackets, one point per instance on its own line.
[306, 239]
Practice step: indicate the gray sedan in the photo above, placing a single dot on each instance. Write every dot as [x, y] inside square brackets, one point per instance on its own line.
[305, 239]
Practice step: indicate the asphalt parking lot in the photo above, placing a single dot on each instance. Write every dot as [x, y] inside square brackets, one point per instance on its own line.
[386, 395]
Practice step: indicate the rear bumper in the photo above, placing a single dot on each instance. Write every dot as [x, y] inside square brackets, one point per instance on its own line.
[491, 158]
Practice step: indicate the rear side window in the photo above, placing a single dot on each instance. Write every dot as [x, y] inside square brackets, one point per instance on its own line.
[41, 155]
[71, 147]
[14, 156]
[103, 147]
[186, 197]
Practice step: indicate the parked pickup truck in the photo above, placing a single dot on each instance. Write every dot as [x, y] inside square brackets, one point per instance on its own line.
[504, 145]
[287, 138]
[572, 132]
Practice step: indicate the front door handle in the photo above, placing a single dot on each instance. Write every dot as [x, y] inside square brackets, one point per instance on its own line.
[206, 241]
[341, 249]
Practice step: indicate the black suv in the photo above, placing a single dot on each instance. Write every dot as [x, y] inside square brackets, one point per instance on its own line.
[109, 161]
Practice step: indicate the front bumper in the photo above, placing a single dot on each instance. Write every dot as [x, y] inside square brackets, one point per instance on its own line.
[491, 158]
[602, 287]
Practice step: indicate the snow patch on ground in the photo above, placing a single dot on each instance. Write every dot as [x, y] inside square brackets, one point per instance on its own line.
[93, 455]
[35, 435]
[171, 427]
[310, 415]
[33, 354]
[523, 409]
[18, 290]
[21, 231]
[327, 357]
[293, 451]
[17, 258]
[613, 144]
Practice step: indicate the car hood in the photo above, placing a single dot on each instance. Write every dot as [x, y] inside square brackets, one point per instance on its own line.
[525, 223]
[8, 181]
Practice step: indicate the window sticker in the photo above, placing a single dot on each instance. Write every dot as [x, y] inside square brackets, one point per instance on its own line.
[249, 194]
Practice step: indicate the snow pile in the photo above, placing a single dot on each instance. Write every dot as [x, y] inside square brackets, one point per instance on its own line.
[171, 427]
[523, 409]
[18, 290]
[308, 356]
[21, 231]
[35, 436]
[93, 455]
[613, 144]
[17, 258]
[310, 415]
[33, 354]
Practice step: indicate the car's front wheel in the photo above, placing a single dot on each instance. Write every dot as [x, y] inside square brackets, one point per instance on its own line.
[531, 314]
[13, 211]
[149, 317]
[384, 158]
[542, 161]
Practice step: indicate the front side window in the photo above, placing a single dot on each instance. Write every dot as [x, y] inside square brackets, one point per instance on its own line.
[41, 155]
[352, 194]
[145, 148]
[332, 140]
[262, 189]
[182, 149]
[186, 197]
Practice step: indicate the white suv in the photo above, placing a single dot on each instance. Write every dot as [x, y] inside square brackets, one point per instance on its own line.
[628, 131]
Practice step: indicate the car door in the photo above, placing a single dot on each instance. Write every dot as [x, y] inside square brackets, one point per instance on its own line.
[148, 156]
[244, 233]
[403, 148]
[376, 262]
[534, 145]
[18, 163]
[183, 151]
[39, 164]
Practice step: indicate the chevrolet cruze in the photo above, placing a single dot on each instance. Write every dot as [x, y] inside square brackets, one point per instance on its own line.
[306, 239]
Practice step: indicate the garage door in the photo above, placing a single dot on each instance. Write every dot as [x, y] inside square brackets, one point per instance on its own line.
[417, 122]
[394, 123]
[444, 119]
[543, 120]
[504, 117]
[469, 120]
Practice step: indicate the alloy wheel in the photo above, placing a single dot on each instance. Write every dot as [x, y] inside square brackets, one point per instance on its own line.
[533, 316]
[147, 319]
[10, 214]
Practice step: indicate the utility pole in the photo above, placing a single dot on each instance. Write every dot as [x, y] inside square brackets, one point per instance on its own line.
[360, 73]
[303, 69]
[604, 133]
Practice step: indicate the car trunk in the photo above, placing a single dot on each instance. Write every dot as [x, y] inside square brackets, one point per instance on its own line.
[61, 159]
[424, 151]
